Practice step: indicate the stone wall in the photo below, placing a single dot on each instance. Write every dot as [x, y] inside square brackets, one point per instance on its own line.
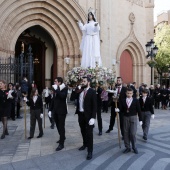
[117, 34]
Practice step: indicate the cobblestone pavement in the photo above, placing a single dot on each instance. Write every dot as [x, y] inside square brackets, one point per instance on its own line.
[18, 153]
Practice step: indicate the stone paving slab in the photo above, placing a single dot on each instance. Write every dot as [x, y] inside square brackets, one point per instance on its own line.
[17, 153]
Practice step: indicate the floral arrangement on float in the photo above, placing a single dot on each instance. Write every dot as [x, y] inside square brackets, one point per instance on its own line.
[98, 75]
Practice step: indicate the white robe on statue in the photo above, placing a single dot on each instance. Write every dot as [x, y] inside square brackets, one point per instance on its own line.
[90, 45]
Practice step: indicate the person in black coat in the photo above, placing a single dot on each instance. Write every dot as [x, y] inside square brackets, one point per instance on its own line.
[130, 108]
[164, 97]
[157, 96]
[99, 107]
[24, 86]
[146, 105]
[36, 112]
[52, 116]
[86, 110]
[121, 92]
[59, 109]
[18, 101]
[13, 95]
[4, 107]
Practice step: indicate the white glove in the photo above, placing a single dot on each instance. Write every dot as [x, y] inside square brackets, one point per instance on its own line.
[41, 115]
[153, 116]
[141, 123]
[25, 99]
[9, 94]
[49, 114]
[79, 87]
[117, 110]
[55, 86]
[91, 121]
[44, 102]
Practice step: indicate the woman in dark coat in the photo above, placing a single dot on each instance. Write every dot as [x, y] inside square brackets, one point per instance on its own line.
[4, 107]
[36, 112]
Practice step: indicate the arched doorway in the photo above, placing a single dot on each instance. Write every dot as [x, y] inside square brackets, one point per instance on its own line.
[43, 50]
[126, 67]
[57, 18]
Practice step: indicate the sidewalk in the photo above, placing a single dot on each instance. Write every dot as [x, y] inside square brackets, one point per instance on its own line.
[16, 152]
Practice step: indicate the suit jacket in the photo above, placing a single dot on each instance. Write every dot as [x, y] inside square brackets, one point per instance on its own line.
[37, 105]
[90, 104]
[58, 103]
[147, 106]
[122, 96]
[133, 110]
[99, 100]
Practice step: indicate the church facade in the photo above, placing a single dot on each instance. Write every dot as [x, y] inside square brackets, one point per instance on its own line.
[51, 29]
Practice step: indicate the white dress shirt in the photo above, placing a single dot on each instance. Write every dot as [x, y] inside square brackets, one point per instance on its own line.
[118, 89]
[35, 98]
[81, 100]
[144, 99]
[129, 101]
[46, 92]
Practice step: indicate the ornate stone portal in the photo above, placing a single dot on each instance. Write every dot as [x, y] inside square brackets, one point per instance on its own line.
[58, 19]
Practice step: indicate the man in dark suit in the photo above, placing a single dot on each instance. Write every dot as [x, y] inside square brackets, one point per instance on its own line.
[130, 108]
[146, 106]
[59, 109]
[121, 92]
[86, 110]
[99, 107]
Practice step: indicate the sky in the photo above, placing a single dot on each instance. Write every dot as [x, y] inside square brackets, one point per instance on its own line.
[161, 5]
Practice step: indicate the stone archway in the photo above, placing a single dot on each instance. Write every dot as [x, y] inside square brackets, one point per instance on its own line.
[135, 49]
[56, 17]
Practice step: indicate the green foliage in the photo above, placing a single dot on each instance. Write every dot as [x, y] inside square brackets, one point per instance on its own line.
[162, 40]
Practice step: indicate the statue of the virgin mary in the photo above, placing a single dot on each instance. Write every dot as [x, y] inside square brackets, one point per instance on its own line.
[90, 45]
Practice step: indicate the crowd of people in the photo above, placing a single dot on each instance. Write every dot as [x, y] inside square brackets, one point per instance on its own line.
[89, 103]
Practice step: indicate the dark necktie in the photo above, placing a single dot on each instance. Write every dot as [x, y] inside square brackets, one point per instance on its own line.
[118, 90]
[85, 92]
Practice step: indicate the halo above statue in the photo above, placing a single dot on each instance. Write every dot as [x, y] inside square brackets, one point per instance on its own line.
[93, 11]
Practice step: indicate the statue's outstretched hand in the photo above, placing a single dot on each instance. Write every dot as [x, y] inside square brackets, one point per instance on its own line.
[96, 24]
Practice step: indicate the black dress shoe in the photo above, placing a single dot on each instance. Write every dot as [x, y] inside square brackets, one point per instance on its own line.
[30, 137]
[52, 127]
[82, 148]
[2, 136]
[40, 135]
[60, 147]
[135, 150]
[122, 138]
[144, 137]
[19, 117]
[127, 150]
[108, 131]
[100, 133]
[89, 156]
